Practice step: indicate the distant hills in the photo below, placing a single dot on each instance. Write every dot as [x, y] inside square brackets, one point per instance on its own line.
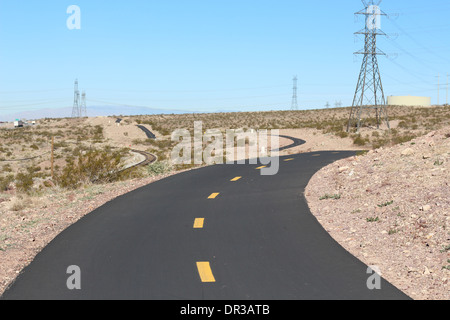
[92, 111]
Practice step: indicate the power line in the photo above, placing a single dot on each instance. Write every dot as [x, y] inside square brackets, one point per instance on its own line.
[421, 61]
[33, 91]
[187, 91]
[418, 43]
[21, 106]
[410, 73]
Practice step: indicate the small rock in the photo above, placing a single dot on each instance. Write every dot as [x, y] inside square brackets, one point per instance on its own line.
[342, 169]
[426, 271]
[422, 222]
[411, 269]
[427, 156]
[425, 208]
[407, 152]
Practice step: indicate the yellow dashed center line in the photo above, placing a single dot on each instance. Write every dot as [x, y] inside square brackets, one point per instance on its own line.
[235, 179]
[288, 160]
[204, 270]
[316, 155]
[198, 223]
[259, 168]
[213, 196]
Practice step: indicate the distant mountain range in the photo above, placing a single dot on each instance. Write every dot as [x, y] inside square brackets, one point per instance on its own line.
[92, 111]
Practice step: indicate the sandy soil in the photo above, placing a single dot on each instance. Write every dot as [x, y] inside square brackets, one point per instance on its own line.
[393, 210]
[119, 134]
[315, 141]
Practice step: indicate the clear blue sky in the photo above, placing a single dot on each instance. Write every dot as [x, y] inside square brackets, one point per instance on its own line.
[208, 55]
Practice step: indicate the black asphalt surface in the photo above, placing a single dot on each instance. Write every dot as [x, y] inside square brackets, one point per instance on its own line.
[295, 142]
[148, 133]
[259, 236]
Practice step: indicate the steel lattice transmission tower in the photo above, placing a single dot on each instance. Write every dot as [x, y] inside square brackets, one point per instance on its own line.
[83, 109]
[79, 103]
[76, 112]
[369, 100]
[294, 95]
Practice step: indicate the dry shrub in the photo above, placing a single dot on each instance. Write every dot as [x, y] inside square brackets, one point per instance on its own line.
[24, 181]
[94, 166]
[5, 182]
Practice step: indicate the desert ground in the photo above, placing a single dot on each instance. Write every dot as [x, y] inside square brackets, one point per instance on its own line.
[391, 209]
[410, 240]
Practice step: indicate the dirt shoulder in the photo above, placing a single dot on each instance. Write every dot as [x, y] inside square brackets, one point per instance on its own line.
[315, 140]
[391, 208]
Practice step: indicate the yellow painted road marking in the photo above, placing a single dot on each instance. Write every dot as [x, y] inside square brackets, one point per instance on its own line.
[260, 167]
[204, 270]
[213, 196]
[198, 223]
[316, 155]
[289, 159]
[235, 179]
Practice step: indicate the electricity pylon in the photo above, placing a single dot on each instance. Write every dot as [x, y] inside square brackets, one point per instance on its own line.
[83, 109]
[294, 95]
[76, 101]
[369, 95]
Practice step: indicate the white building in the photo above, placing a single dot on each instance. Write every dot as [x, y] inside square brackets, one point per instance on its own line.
[409, 101]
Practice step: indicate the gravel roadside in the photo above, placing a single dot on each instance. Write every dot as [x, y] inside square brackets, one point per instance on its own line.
[391, 208]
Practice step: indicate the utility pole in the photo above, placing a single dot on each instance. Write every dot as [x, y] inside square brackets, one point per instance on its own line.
[446, 96]
[438, 88]
[53, 143]
[294, 105]
[369, 94]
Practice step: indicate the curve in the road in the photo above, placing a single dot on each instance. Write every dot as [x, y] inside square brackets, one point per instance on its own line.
[222, 232]
[295, 142]
[147, 132]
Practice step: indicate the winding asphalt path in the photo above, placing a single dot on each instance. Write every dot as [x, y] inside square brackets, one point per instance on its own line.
[258, 241]
[295, 142]
[147, 132]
